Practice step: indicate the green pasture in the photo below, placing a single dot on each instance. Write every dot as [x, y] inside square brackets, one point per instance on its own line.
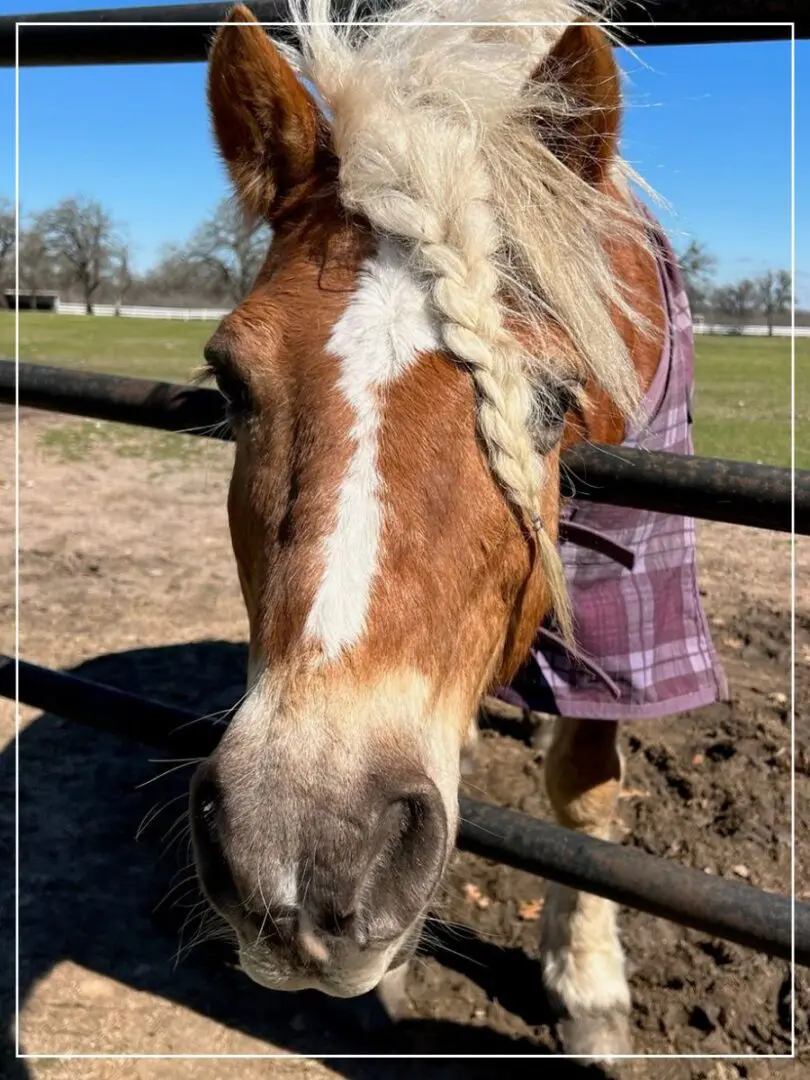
[742, 399]
[150, 348]
[742, 394]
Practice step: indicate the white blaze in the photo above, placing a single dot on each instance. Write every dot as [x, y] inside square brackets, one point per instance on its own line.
[387, 324]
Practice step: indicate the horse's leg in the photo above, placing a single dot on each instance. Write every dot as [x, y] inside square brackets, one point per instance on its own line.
[583, 962]
[391, 992]
[389, 1002]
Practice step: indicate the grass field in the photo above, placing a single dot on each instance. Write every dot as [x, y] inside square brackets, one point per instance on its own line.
[742, 395]
[742, 399]
[149, 348]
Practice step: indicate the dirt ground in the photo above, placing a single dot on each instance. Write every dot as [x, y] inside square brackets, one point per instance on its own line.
[127, 578]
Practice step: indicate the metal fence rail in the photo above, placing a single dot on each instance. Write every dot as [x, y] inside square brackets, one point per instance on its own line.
[733, 491]
[691, 22]
[727, 909]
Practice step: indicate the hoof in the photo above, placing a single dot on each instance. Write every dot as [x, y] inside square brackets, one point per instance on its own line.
[600, 1035]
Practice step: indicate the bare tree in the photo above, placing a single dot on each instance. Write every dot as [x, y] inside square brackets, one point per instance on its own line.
[697, 266]
[173, 272]
[7, 237]
[174, 278]
[737, 300]
[746, 296]
[723, 299]
[36, 264]
[120, 275]
[228, 250]
[81, 236]
[773, 295]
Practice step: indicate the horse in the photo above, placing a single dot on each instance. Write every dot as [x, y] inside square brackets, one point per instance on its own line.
[460, 285]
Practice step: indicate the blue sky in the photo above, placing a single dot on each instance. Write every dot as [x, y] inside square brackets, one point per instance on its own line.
[708, 126]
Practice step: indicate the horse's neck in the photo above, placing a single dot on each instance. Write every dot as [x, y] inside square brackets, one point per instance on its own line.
[602, 421]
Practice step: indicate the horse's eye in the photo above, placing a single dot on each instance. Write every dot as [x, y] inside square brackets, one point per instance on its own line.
[236, 394]
[218, 365]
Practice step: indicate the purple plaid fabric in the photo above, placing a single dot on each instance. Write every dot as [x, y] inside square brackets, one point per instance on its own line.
[645, 628]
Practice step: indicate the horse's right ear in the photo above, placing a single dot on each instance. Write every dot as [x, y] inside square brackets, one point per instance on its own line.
[267, 126]
[582, 65]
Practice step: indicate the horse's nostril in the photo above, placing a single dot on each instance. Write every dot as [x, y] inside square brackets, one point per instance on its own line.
[208, 832]
[209, 806]
[407, 856]
[206, 801]
[205, 804]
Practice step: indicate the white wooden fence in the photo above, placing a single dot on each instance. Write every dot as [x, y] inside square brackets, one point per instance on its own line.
[135, 312]
[749, 331]
[215, 314]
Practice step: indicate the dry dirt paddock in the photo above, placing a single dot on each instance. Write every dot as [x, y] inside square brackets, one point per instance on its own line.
[127, 577]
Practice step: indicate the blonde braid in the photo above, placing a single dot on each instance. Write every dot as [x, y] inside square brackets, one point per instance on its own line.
[454, 244]
[436, 123]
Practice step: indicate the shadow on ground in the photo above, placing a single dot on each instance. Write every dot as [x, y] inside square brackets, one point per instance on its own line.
[93, 894]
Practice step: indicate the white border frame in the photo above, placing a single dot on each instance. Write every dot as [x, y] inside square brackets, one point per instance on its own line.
[418, 1057]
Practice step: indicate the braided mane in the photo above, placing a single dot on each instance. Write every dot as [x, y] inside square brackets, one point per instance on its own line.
[436, 130]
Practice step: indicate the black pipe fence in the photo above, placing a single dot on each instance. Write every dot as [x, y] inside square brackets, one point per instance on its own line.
[185, 29]
[733, 491]
[730, 910]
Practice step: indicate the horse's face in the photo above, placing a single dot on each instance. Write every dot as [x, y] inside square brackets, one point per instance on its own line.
[386, 579]
[380, 568]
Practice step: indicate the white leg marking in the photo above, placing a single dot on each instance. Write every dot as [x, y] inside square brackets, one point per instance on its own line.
[581, 954]
[583, 961]
[386, 326]
[583, 971]
[392, 993]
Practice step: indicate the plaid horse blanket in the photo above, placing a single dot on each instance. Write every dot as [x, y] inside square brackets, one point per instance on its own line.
[645, 645]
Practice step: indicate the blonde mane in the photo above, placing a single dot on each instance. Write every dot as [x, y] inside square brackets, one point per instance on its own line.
[436, 130]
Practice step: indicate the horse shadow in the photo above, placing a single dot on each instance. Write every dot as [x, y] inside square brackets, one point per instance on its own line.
[94, 892]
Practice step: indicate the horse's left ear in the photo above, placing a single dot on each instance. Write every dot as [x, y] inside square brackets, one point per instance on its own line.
[582, 66]
[268, 128]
